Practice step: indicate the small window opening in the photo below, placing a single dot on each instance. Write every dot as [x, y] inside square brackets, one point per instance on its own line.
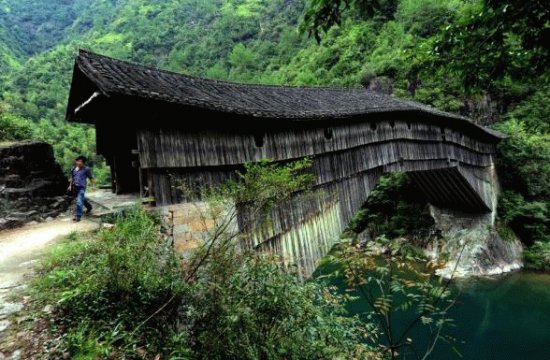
[259, 139]
[409, 125]
[373, 126]
[328, 133]
[392, 124]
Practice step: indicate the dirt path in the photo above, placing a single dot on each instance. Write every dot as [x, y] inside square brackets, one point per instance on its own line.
[19, 250]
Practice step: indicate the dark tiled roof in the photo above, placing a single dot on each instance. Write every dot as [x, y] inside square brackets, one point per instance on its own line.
[117, 77]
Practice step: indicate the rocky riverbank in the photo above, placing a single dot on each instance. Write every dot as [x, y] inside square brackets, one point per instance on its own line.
[472, 245]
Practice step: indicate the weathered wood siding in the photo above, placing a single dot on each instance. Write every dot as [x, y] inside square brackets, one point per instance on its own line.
[181, 148]
[348, 159]
[344, 156]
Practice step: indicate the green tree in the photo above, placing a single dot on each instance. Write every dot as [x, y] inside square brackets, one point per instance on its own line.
[243, 61]
[321, 15]
[14, 127]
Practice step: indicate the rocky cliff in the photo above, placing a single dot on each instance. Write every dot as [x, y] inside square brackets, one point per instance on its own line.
[32, 184]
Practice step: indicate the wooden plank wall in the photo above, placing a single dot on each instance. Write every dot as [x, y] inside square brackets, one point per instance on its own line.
[348, 159]
[207, 158]
[180, 148]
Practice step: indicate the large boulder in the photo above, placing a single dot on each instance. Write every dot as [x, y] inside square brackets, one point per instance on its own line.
[32, 184]
[472, 246]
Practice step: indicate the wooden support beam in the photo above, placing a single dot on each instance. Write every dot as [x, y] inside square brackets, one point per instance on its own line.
[86, 103]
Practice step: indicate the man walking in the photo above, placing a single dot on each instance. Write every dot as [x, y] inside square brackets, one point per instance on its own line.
[80, 174]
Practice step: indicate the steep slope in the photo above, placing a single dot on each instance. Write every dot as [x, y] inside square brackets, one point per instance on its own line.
[9, 57]
[38, 25]
[236, 39]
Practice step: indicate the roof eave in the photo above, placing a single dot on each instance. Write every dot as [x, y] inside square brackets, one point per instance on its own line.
[90, 87]
[82, 70]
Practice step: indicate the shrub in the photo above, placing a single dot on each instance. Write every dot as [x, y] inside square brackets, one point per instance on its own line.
[13, 127]
[537, 257]
[121, 293]
[258, 311]
[528, 218]
[394, 208]
[534, 111]
[524, 171]
[524, 160]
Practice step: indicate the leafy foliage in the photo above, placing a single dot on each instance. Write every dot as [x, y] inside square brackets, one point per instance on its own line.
[525, 172]
[404, 298]
[538, 256]
[493, 41]
[395, 208]
[265, 183]
[13, 127]
[525, 160]
[321, 15]
[534, 112]
[123, 293]
[105, 286]
[248, 308]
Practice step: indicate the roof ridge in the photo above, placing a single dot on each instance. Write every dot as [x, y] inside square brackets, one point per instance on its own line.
[232, 83]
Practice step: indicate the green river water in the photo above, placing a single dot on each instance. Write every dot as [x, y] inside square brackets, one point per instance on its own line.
[507, 317]
[501, 318]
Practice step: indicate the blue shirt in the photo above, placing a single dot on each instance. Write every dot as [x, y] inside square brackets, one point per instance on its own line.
[80, 176]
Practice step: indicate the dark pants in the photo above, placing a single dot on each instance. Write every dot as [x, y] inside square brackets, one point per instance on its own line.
[81, 201]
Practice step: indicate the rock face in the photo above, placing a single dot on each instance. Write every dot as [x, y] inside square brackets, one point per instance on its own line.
[472, 245]
[32, 184]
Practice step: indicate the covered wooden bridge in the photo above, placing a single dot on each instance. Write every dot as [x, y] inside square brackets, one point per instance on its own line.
[158, 128]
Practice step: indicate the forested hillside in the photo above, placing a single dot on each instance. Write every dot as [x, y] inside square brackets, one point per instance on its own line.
[484, 59]
[37, 25]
